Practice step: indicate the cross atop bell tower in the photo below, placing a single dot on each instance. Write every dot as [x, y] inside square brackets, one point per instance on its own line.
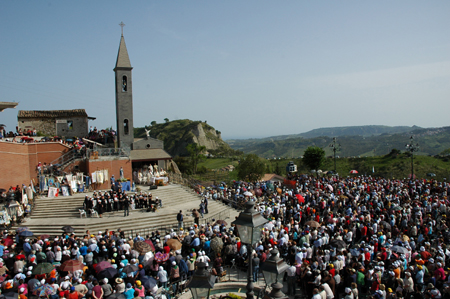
[124, 96]
[121, 24]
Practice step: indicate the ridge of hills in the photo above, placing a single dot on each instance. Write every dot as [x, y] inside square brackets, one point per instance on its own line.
[354, 141]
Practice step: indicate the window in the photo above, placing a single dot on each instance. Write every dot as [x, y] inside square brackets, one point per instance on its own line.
[124, 84]
[126, 127]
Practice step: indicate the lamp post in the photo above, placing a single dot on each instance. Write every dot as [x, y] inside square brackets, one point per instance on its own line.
[249, 224]
[335, 147]
[202, 282]
[276, 292]
[411, 148]
[273, 268]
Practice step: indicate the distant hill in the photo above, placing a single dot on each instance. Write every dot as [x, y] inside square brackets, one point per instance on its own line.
[432, 141]
[364, 131]
[178, 134]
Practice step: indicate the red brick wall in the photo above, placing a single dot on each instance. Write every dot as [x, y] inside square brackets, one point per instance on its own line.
[18, 160]
[113, 167]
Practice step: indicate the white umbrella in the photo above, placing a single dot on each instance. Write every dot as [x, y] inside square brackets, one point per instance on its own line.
[247, 193]
[148, 258]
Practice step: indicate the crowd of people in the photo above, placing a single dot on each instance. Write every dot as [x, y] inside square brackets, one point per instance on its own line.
[341, 237]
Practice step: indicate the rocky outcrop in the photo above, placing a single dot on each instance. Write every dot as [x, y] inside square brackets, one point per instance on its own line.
[178, 134]
[207, 138]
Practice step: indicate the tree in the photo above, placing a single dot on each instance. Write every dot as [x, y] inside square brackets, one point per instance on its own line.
[314, 157]
[166, 120]
[251, 168]
[153, 123]
[195, 153]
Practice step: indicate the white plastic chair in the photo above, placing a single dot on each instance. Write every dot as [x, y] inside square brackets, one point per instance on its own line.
[94, 213]
[82, 212]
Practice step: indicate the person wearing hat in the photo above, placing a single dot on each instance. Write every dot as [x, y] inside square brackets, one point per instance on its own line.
[81, 288]
[162, 277]
[73, 293]
[22, 294]
[408, 283]
[107, 289]
[420, 274]
[129, 291]
[139, 288]
[120, 286]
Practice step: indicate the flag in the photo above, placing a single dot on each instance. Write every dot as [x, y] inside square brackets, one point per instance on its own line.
[373, 169]
[32, 187]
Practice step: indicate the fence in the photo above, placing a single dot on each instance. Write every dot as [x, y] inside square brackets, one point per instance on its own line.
[202, 179]
[107, 152]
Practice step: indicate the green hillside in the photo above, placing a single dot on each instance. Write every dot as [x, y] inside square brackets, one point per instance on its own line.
[432, 141]
[365, 131]
[388, 166]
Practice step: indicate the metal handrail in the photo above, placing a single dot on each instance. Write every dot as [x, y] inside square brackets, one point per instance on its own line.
[107, 152]
[67, 157]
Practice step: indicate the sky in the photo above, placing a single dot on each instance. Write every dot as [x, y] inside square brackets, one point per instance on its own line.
[250, 69]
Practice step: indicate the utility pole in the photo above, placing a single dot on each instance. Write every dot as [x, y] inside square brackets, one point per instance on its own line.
[335, 147]
[411, 148]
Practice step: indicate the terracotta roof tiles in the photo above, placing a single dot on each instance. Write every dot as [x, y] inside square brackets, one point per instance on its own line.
[51, 113]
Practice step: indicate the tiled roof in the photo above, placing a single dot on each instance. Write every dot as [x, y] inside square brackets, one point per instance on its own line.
[149, 154]
[51, 113]
[272, 177]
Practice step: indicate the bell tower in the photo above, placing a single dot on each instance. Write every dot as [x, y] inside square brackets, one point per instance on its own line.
[124, 96]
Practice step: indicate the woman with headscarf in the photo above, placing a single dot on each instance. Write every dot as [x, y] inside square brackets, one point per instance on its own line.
[162, 277]
[129, 291]
[107, 289]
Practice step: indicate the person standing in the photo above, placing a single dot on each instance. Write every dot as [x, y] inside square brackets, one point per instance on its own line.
[196, 215]
[180, 220]
[255, 262]
[97, 291]
[291, 279]
[205, 202]
[126, 205]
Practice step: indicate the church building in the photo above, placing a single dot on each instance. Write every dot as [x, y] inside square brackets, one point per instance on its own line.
[145, 151]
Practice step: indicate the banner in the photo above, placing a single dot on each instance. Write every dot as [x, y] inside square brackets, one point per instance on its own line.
[52, 192]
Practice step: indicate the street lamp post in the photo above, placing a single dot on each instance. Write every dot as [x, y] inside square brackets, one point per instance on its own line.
[411, 148]
[276, 292]
[273, 268]
[249, 224]
[202, 282]
[335, 147]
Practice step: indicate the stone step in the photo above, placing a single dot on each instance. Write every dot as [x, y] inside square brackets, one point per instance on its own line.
[146, 221]
[50, 215]
[74, 210]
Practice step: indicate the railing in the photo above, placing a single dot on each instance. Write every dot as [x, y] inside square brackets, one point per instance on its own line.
[184, 180]
[107, 152]
[66, 158]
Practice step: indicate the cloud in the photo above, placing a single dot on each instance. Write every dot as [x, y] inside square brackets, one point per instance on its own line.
[380, 78]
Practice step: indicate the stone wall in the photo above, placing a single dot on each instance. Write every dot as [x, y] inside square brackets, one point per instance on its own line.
[50, 126]
[148, 143]
[19, 160]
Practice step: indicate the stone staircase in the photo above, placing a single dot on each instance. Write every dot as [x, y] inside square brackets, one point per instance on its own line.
[49, 215]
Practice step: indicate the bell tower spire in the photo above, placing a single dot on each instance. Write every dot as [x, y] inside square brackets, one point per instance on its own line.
[124, 96]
